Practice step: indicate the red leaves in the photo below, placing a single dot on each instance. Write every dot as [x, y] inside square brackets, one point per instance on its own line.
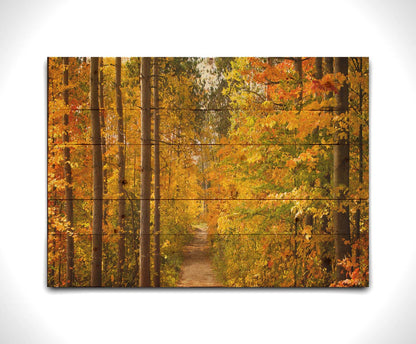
[355, 274]
[323, 86]
[74, 104]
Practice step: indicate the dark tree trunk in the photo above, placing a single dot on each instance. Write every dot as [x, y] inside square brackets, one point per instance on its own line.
[103, 141]
[318, 76]
[146, 174]
[341, 174]
[156, 277]
[135, 239]
[69, 206]
[121, 178]
[329, 65]
[299, 102]
[53, 267]
[295, 254]
[270, 63]
[97, 213]
[51, 231]
[299, 70]
[360, 168]
[59, 270]
[318, 68]
[135, 272]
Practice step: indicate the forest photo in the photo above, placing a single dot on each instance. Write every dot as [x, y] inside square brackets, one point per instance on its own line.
[208, 172]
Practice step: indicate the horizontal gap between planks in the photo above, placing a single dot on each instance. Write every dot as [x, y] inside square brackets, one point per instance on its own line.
[208, 199]
[214, 234]
[204, 144]
[329, 109]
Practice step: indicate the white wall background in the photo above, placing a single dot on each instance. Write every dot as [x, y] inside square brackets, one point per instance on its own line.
[32, 30]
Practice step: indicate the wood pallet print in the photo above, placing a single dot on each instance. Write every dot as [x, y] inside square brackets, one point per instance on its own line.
[208, 172]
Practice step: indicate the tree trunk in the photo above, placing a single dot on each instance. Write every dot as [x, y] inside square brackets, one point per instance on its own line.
[315, 132]
[97, 213]
[146, 174]
[270, 63]
[135, 239]
[121, 178]
[59, 270]
[69, 206]
[156, 277]
[341, 173]
[299, 70]
[329, 65]
[136, 248]
[318, 68]
[327, 246]
[329, 69]
[104, 150]
[309, 217]
[360, 168]
[103, 141]
[53, 253]
[295, 254]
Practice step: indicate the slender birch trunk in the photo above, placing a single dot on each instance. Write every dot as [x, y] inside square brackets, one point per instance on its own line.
[146, 174]
[105, 172]
[156, 277]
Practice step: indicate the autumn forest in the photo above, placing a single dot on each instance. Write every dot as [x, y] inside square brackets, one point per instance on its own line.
[208, 172]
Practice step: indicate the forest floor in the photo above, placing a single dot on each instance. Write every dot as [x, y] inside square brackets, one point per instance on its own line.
[197, 268]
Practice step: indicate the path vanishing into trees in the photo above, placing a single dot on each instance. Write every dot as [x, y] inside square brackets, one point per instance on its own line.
[197, 270]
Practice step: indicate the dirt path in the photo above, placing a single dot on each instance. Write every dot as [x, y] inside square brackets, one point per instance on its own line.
[196, 268]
